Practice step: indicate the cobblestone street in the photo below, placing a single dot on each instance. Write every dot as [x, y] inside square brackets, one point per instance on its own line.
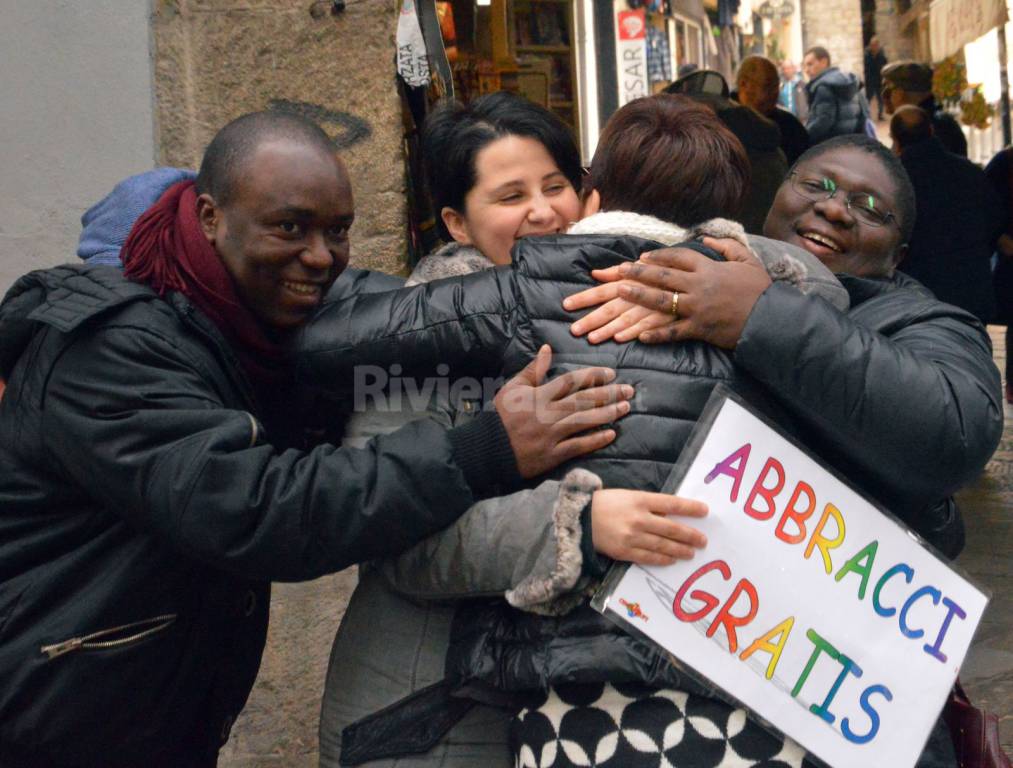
[988, 514]
[278, 728]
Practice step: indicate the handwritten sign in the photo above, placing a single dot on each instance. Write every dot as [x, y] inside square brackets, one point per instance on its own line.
[811, 607]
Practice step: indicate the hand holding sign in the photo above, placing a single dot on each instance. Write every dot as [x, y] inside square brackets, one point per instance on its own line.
[812, 607]
[636, 526]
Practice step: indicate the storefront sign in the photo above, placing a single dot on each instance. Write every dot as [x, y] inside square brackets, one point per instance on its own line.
[808, 605]
[631, 52]
[955, 23]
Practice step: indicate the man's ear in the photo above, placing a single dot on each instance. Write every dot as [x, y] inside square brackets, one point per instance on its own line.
[208, 214]
[591, 204]
[456, 225]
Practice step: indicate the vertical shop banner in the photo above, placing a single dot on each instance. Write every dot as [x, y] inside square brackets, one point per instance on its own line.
[631, 52]
[810, 606]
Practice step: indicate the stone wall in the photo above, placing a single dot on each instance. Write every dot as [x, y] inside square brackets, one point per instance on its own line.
[897, 46]
[837, 26]
[217, 59]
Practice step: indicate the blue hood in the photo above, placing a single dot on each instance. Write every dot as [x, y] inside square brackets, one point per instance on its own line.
[108, 222]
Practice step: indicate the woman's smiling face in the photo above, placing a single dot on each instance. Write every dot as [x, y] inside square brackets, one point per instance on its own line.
[519, 191]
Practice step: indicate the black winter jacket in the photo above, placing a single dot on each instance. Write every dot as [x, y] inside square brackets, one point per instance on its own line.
[143, 512]
[959, 220]
[900, 394]
[495, 321]
[836, 107]
[945, 127]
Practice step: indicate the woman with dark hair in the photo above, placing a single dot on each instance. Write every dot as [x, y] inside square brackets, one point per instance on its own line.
[697, 171]
[500, 169]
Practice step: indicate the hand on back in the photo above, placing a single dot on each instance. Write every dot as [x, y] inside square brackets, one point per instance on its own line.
[551, 422]
[714, 298]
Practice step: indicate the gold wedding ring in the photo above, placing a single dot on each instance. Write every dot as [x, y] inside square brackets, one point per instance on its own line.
[674, 309]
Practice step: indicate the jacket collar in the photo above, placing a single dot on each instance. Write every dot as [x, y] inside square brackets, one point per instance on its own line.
[61, 297]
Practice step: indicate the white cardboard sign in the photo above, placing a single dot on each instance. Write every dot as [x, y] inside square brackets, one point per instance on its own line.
[811, 607]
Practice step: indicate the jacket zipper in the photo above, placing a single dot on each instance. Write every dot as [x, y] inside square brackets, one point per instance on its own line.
[92, 641]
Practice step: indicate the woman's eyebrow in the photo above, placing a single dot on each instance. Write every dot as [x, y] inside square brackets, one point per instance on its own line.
[556, 172]
[506, 186]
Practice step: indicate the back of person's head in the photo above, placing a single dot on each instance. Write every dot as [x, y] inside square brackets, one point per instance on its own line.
[912, 77]
[910, 125]
[755, 67]
[234, 145]
[819, 52]
[904, 192]
[669, 157]
[758, 83]
[455, 133]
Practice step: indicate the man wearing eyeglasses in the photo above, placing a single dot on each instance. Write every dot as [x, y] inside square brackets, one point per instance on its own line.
[959, 217]
[900, 394]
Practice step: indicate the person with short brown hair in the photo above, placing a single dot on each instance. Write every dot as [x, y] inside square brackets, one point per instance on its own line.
[661, 156]
[664, 165]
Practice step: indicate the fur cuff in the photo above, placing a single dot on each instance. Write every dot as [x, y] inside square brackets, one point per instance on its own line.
[780, 266]
[550, 594]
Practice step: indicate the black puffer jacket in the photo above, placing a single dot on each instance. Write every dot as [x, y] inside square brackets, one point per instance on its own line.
[836, 106]
[497, 319]
[143, 512]
[900, 394]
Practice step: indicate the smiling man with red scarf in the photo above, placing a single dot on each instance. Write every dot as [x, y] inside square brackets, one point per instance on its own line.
[151, 479]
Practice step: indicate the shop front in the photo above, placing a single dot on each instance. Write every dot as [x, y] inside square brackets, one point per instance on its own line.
[579, 58]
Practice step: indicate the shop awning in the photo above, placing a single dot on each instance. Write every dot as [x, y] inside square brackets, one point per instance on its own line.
[955, 23]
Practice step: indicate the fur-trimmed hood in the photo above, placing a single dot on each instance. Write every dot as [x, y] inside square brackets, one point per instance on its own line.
[450, 260]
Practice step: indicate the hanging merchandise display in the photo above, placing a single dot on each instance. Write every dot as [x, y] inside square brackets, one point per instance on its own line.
[412, 62]
[659, 55]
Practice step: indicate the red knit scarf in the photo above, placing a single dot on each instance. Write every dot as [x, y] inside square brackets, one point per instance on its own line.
[167, 250]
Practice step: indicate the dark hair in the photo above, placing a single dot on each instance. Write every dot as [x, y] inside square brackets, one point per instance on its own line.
[819, 52]
[910, 125]
[455, 133]
[234, 145]
[669, 157]
[905, 193]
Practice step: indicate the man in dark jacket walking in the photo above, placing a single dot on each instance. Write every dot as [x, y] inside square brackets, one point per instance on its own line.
[910, 82]
[875, 60]
[836, 107]
[959, 217]
[152, 482]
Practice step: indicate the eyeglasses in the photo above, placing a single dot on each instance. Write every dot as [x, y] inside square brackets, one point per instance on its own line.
[863, 206]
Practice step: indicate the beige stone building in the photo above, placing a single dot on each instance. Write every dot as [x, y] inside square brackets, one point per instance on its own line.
[837, 26]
